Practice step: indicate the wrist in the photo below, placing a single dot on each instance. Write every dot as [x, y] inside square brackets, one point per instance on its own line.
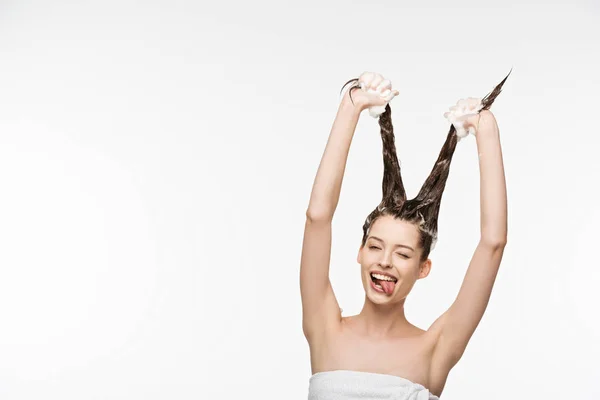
[487, 124]
[348, 106]
[486, 114]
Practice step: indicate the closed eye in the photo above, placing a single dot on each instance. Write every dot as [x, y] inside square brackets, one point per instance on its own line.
[400, 254]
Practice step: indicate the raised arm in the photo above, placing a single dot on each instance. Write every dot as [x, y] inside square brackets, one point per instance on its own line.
[457, 324]
[320, 309]
[328, 181]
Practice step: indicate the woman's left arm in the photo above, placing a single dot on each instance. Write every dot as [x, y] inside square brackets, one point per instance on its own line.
[457, 324]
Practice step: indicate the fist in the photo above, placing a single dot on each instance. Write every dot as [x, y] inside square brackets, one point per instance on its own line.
[373, 92]
[465, 116]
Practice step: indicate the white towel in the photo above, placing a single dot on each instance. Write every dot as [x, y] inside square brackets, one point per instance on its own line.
[350, 385]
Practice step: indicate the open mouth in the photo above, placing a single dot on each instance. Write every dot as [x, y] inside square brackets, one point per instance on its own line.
[383, 283]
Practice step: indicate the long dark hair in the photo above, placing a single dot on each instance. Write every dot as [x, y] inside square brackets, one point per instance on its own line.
[422, 210]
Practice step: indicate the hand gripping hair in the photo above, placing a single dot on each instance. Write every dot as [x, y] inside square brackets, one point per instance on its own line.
[422, 210]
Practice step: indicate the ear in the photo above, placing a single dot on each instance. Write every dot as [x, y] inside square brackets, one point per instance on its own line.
[425, 268]
[359, 255]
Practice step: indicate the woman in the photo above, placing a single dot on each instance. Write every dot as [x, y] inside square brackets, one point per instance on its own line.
[378, 353]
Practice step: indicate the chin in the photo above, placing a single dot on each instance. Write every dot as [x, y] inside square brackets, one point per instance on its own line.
[379, 300]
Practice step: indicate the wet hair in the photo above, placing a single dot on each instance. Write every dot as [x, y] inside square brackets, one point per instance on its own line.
[423, 209]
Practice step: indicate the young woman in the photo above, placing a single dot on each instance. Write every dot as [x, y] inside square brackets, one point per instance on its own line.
[379, 353]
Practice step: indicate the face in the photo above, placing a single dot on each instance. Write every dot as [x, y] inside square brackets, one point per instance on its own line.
[392, 250]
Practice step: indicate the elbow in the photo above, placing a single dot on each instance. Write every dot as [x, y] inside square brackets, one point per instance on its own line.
[318, 215]
[494, 241]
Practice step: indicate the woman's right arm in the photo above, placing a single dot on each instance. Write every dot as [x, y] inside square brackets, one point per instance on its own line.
[320, 308]
[328, 182]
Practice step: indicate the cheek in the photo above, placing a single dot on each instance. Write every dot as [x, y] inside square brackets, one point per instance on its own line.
[368, 259]
[409, 268]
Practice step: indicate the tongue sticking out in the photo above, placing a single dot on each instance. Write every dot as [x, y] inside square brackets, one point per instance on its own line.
[388, 287]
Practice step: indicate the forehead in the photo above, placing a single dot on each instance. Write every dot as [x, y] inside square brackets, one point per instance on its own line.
[395, 231]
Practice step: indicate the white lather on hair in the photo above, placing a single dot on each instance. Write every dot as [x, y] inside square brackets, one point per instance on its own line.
[427, 231]
[384, 89]
[459, 113]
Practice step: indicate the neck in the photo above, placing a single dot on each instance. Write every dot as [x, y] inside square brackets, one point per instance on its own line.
[380, 321]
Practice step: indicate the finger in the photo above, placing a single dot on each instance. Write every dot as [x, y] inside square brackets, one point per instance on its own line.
[386, 84]
[365, 79]
[377, 79]
[388, 95]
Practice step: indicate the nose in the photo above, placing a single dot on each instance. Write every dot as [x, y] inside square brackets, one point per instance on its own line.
[385, 261]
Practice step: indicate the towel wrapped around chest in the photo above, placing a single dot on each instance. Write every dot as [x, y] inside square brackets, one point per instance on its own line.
[351, 385]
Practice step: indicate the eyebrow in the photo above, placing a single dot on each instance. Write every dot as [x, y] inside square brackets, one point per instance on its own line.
[397, 245]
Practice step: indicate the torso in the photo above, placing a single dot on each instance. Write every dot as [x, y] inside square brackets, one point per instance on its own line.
[408, 356]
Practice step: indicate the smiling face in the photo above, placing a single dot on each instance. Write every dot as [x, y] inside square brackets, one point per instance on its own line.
[392, 250]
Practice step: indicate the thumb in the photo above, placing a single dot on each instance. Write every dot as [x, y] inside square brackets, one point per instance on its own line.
[390, 96]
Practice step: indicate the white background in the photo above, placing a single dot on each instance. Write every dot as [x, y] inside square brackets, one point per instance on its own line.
[156, 161]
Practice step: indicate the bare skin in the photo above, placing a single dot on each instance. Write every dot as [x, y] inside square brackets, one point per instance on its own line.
[380, 339]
